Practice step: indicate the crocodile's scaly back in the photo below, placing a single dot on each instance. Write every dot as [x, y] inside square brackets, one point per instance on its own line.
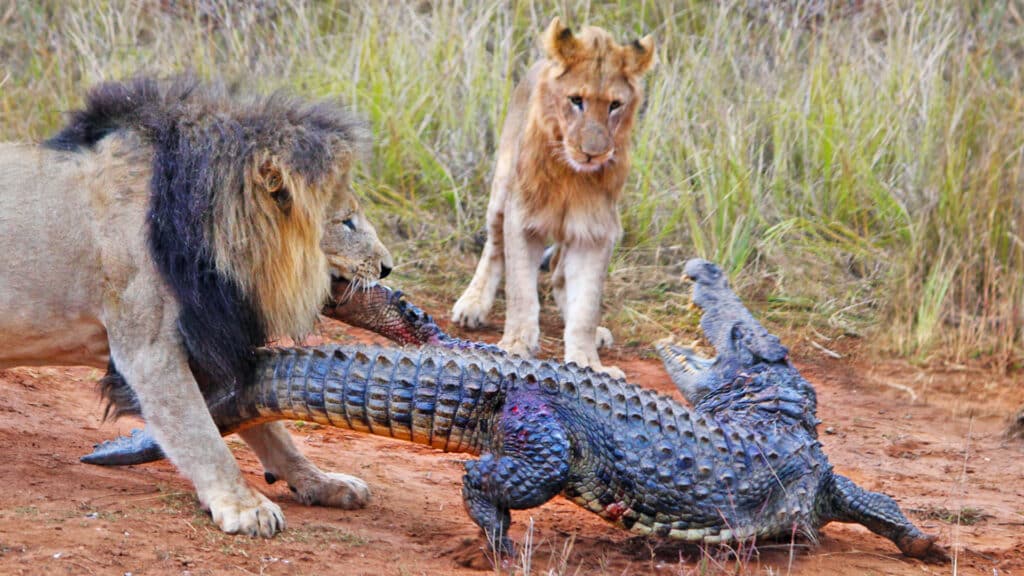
[408, 394]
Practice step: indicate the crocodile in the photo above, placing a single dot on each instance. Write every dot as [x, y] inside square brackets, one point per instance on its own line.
[744, 463]
[376, 308]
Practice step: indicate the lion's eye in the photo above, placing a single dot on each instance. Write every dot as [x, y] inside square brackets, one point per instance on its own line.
[349, 223]
[615, 105]
[576, 101]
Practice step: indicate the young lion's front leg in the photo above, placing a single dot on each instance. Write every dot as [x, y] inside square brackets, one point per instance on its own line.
[281, 459]
[148, 350]
[602, 336]
[523, 253]
[584, 269]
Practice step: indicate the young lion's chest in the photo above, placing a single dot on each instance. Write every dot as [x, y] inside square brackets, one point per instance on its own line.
[571, 211]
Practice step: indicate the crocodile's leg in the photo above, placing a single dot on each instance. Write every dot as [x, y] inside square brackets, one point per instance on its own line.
[689, 371]
[841, 500]
[281, 459]
[530, 467]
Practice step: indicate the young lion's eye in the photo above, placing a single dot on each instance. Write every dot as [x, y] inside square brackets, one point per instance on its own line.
[576, 101]
[349, 223]
[615, 105]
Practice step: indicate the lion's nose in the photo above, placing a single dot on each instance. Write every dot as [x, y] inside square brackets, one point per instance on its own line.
[384, 270]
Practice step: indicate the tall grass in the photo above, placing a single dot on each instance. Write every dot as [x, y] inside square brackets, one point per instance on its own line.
[863, 170]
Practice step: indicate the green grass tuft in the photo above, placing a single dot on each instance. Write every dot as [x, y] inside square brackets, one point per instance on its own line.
[860, 171]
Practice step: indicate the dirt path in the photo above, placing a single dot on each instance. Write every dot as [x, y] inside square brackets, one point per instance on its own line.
[937, 455]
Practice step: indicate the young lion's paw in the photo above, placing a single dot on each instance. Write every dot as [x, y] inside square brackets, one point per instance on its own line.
[603, 338]
[612, 371]
[470, 310]
[524, 346]
[334, 490]
[245, 511]
[592, 362]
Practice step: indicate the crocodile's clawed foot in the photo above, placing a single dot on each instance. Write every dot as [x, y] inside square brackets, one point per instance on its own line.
[924, 547]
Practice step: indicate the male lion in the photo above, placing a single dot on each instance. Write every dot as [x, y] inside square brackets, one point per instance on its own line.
[562, 162]
[164, 233]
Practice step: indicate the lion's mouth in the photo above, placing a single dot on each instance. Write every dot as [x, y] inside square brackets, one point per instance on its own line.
[342, 289]
[582, 162]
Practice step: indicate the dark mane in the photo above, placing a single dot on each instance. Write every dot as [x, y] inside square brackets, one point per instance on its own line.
[203, 138]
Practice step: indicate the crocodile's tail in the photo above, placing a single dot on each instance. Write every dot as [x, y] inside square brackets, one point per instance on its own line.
[386, 312]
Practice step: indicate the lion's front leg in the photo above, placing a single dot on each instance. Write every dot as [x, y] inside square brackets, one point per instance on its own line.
[148, 350]
[584, 269]
[281, 459]
[523, 253]
[602, 336]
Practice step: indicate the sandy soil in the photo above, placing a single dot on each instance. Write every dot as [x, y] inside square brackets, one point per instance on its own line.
[930, 439]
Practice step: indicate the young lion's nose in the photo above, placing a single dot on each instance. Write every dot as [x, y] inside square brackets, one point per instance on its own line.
[595, 142]
[384, 270]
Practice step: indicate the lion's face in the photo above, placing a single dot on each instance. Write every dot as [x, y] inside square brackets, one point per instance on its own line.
[354, 253]
[310, 230]
[592, 92]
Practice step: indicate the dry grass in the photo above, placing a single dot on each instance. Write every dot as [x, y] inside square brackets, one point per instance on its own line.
[860, 171]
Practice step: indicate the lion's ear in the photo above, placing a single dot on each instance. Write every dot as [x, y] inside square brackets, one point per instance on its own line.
[561, 44]
[640, 56]
[272, 180]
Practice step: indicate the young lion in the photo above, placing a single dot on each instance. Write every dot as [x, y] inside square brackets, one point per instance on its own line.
[562, 162]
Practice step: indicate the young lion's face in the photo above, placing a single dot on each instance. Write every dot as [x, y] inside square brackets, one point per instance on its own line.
[592, 92]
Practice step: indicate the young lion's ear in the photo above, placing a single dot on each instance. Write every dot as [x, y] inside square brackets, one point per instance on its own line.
[560, 43]
[640, 56]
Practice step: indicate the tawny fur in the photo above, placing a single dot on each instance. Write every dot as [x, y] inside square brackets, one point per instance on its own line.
[562, 162]
[79, 283]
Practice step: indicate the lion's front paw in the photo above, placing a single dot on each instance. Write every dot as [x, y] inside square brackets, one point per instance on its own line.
[245, 511]
[603, 338]
[471, 309]
[522, 345]
[612, 371]
[332, 489]
[592, 362]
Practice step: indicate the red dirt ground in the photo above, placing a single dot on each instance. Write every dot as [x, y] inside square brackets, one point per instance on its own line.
[930, 439]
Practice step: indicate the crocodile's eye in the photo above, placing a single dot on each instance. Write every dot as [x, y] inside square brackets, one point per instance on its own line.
[576, 101]
[615, 105]
[349, 223]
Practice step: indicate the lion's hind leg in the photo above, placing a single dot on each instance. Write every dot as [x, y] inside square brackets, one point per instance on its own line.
[281, 459]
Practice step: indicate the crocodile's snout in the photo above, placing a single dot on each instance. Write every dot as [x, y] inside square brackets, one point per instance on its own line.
[705, 273]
